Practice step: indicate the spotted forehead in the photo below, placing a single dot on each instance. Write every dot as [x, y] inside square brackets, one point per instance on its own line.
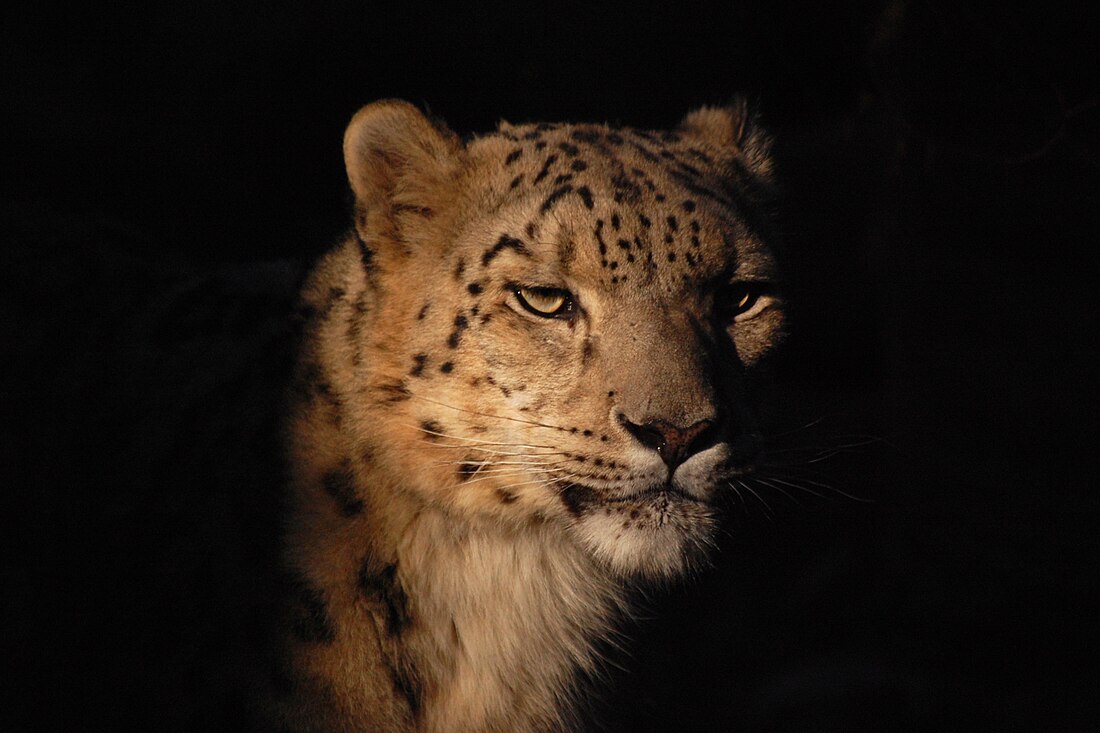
[633, 205]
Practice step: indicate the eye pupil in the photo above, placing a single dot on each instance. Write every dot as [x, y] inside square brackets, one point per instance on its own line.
[739, 298]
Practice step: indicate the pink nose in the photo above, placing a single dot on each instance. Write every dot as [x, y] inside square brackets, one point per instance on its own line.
[674, 444]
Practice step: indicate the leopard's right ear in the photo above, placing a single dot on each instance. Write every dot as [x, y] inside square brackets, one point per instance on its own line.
[399, 164]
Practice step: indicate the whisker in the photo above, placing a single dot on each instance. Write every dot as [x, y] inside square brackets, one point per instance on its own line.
[486, 414]
[500, 463]
[493, 452]
[479, 476]
[795, 486]
[765, 482]
[807, 426]
[819, 484]
[475, 440]
[767, 509]
[535, 481]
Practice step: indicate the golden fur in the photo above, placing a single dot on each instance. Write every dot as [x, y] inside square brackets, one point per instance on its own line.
[474, 486]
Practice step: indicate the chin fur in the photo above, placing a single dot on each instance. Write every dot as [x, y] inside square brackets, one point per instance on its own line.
[657, 538]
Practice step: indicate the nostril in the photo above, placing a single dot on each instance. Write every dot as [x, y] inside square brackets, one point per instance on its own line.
[674, 444]
[647, 435]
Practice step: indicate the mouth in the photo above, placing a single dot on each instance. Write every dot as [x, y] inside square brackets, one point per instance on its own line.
[579, 498]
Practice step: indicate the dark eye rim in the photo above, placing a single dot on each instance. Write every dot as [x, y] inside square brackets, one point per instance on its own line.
[728, 304]
[565, 311]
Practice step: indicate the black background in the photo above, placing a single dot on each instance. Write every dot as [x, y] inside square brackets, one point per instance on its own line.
[940, 164]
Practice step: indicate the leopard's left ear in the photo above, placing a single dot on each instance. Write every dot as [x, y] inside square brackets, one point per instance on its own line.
[734, 129]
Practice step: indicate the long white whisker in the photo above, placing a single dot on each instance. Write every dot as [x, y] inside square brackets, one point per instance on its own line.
[475, 440]
[501, 463]
[486, 414]
[767, 509]
[479, 476]
[773, 486]
[494, 452]
[543, 482]
[795, 486]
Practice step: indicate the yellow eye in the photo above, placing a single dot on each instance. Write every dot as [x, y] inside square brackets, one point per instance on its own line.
[738, 299]
[545, 302]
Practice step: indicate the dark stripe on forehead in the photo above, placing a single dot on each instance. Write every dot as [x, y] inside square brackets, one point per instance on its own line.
[505, 242]
[554, 196]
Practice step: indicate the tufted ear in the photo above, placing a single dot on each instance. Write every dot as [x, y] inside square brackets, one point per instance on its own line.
[398, 163]
[735, 129]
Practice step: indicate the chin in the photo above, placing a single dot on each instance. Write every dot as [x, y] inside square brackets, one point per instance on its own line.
[658, 536]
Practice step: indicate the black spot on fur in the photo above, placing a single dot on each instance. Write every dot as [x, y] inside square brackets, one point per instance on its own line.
[339, 483]
[599, 237]
[569, 149]
[365, 253]
[563, 178]
[430, 427]
[447, 367]
[392, 392]
[554, 197]
[616, 222]
[474, 288]
[689, 206]
[644, 221]
[645, 153]
[615, 138]
[586, 197]
[505, 242]
[540, 145]
[515, 181]
[623, 244]
[585, 136]
[460, 324]
[384, 588]
[407, 685]
[550, 160]
[579, 165]
[460, 268]
[577, 498]
[625, 188]
[418, 365]
[423, 312]
[673, 224]
[513, 156]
